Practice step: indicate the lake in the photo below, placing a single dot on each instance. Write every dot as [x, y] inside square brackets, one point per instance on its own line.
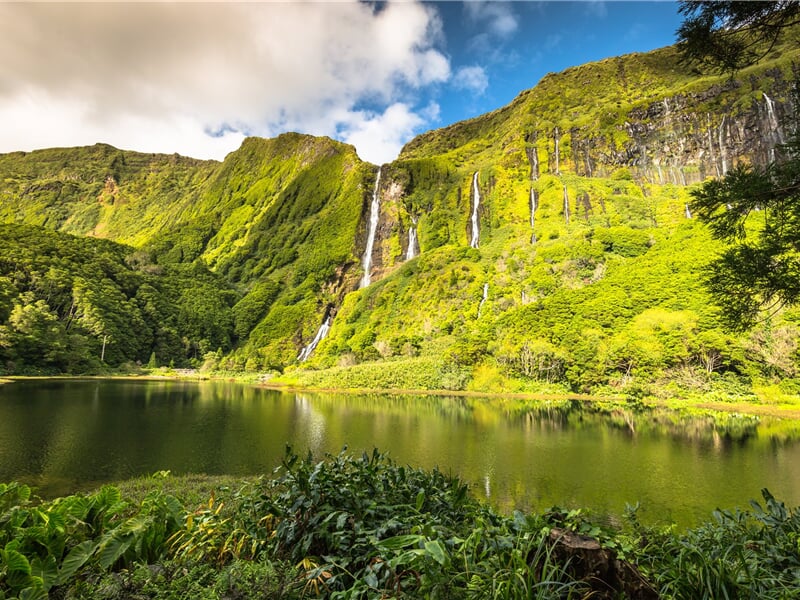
[68, 435]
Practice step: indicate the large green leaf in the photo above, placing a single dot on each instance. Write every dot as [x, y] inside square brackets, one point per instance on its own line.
[13, 561]
[15, 567]
[435, 550]
[113, 547]
[46, 570]
[399, 541]
[76, 558]
[33, 593]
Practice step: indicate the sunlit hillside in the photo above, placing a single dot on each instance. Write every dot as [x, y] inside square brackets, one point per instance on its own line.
[548, 245]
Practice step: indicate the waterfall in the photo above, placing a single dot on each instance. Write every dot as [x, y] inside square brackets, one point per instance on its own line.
[476, 193]
[556, 137]
[411, 252]
[566, 206]
[483, 300]
[722, 152]
[774, 126]
[374, 214]
[321, 333]
[534, 206]
[535, 165]
[687, 212]
[711, 145]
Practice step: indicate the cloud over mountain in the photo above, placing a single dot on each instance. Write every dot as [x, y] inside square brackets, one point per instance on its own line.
[165, 77]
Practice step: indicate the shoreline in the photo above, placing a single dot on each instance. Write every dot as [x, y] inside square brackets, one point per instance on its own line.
[777, 410]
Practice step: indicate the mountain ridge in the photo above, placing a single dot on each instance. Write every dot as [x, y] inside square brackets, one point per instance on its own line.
[580, 181]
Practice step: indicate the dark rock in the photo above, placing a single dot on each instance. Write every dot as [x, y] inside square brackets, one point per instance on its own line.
[608, 576]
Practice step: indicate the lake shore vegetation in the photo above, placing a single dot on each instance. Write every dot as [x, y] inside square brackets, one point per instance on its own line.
[349, 526]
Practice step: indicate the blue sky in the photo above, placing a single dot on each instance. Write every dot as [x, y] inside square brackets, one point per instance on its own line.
[197, 78]
[517, 43]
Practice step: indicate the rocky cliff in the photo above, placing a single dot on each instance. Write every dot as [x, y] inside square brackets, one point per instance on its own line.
[548, 241]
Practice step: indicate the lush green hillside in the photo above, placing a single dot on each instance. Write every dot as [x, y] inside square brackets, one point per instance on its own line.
[600, 290]
[279, 219]
[99, 190]
[67, 303]
[580, 269]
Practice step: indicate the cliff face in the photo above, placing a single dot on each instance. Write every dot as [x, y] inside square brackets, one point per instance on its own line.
[644, 114]
[556, 200]
[679, 140]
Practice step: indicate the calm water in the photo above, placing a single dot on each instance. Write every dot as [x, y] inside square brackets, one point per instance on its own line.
[64, 436]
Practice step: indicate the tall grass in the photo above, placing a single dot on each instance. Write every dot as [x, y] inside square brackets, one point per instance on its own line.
[347, 526]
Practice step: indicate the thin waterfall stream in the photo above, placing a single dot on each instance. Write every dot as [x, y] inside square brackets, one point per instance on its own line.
[476, 202]
[322, 332]
[411, 251]
[483, 299]
[374, 215]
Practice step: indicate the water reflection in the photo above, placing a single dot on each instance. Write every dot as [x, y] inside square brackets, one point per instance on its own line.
[69, 435]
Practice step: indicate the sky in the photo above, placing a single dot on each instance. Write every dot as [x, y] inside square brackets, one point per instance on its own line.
[196, 78]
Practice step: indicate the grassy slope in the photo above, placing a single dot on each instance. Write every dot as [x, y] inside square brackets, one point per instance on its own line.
[99, 190]
[591, 300]
[284, 221]
[279, 218]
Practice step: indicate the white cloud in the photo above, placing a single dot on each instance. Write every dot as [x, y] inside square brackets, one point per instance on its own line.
[498, 17]
[156, 76]
[472, 78]
[381, 136]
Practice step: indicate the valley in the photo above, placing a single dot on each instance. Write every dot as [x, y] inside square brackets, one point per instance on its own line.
[546, 246]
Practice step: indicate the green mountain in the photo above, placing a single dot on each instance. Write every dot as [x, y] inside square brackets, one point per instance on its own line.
[545, 245]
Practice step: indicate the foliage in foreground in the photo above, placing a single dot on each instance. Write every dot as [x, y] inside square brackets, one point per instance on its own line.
[362, 527]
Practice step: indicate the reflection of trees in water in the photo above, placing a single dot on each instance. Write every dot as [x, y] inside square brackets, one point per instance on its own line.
[718, 430]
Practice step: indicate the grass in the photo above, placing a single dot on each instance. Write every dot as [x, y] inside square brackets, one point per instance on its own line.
[348, 526]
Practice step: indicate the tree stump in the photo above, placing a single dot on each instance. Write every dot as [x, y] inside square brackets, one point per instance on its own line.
[608, 576]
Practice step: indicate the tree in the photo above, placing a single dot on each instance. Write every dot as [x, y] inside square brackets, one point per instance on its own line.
[728, 36]
[754, 209]
[35, 336]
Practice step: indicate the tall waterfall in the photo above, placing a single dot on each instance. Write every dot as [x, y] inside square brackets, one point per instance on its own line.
[483, 299]
[773, 120]
[476, 202]
[566, 205]
[411, 252]
[534, 206]
[374, 214]
[321, 333]
[722, 152]
[711, 145]
[687, 212]
[556, 138]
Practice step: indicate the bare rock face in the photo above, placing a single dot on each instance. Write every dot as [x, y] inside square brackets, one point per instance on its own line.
[608, 576]
[680, 139]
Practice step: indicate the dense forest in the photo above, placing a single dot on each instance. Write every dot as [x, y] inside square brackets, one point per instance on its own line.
[552, 244]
